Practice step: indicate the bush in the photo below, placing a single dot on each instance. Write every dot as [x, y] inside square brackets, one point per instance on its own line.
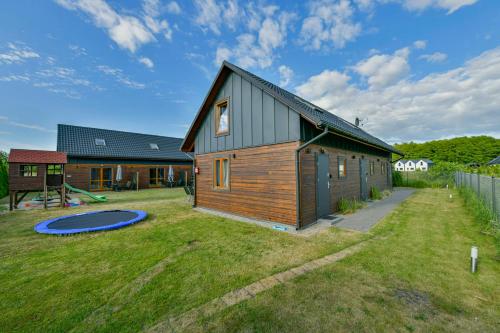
[397, 178]
[4, 174]
[347, 206]
[482, 213]
[375, 193]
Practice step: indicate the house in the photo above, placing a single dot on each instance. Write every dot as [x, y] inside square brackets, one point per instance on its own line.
[35, 171]
[410, 165]
[264, 153]
[423, 164]
[400, 165]
[495, 161]
[94, 156]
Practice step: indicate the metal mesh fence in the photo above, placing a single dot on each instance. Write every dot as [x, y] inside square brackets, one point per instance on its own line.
[487, 188]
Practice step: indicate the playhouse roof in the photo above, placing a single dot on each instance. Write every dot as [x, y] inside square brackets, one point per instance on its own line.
[37, 156]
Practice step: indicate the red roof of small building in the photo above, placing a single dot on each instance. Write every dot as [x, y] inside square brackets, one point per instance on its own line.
[37, 156]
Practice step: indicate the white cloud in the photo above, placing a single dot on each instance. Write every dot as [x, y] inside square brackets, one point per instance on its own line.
[129, 32]
[213, 15]
[449, 5]
[461, 101]
[434, 57]
[286, 75]
[420, 44]
[120, 77]
[382, 70]
[32, 126]
[173, 8]
[14, 77]
[77, 50]
[17, 53]
[268, 31]
[152, 11]
[329, 22]
[146, 62]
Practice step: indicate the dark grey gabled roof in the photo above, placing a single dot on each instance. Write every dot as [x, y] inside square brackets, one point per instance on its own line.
[79, 141]
[494, 161]
[312, 113]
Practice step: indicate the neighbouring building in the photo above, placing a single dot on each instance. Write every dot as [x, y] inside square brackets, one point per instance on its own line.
[265, 153]
[413, 165]
[94, 156]
[495, 161]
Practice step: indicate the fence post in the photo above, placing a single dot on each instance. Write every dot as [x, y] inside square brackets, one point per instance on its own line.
[478, 184]
[493, 195]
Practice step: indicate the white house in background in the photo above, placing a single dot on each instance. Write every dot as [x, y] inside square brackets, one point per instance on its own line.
[410, 165]
[424, 164]
[413, 165]
[400, 165]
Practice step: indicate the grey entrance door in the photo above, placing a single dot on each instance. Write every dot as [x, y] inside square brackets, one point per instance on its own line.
[322, 185]
[363, 174]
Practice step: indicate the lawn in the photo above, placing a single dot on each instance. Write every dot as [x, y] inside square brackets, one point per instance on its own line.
[128, 279]
[413, 276]
[416, 279]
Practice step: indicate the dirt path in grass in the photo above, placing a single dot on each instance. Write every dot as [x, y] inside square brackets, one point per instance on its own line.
[181, 322]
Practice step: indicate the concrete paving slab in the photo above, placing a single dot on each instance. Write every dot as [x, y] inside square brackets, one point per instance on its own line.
[367, 217]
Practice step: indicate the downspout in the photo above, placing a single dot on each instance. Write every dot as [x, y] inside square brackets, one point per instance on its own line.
[297, 173]
[193, 175]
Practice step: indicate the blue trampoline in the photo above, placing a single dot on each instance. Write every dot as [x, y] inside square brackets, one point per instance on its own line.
[92, 221]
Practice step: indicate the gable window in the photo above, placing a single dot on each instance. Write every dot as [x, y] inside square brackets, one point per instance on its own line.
[28, 171]
[221, 173]
[342, 167]
[100, 142]
[372, 168]
[156, 176]
[222, 117]
[54, 169]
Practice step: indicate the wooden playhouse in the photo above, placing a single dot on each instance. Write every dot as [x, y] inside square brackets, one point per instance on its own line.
[36, 171]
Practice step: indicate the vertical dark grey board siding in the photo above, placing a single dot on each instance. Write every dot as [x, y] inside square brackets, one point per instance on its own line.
[281, 119]
[293, 125]
[213, 138]
[246, 112]
[228, 92]
[206, 130]
[268, 118]
[237, 119]
[256, 116]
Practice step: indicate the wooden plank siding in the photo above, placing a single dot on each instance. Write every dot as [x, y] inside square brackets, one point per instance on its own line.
[21, 183]
[78, 175]
[348, 187]
[262, 183]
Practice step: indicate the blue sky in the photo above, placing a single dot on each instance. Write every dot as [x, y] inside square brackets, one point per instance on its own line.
[410, 69]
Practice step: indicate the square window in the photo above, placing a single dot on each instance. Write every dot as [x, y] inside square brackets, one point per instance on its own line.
[222, 117]
[28, 170]
[54, 169]
[221, 173]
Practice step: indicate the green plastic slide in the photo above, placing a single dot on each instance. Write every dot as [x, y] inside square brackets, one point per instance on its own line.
[100, 198]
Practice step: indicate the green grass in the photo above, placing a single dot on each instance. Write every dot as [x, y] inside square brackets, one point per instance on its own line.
[175, 260]
[416, 279]
[349, 206]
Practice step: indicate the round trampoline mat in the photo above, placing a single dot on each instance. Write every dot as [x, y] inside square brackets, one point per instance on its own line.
[92, 221]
